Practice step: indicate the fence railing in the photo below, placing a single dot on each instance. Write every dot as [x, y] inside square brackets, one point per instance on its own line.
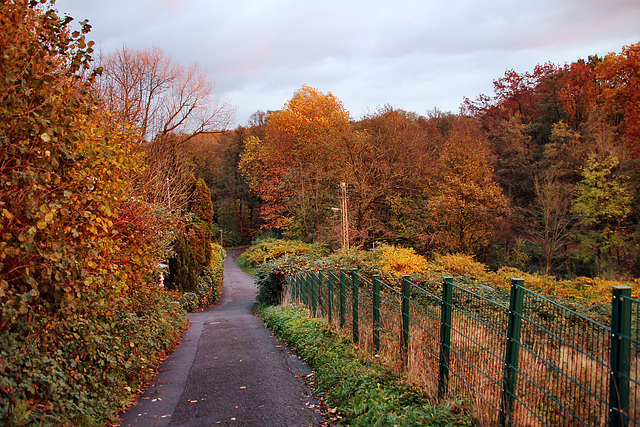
[533, 362]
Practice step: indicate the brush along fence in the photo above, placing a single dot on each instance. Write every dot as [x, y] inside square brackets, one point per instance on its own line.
[529, 361]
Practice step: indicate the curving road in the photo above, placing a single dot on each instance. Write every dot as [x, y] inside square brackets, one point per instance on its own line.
[229, 370]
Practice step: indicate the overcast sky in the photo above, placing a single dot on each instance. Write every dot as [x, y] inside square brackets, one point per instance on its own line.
[411, 54]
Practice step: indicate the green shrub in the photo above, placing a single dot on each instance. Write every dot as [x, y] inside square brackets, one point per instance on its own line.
[82, 370]
[193, 247]
[208, 283]
[361, 391]
[270, 249]
[269, 280]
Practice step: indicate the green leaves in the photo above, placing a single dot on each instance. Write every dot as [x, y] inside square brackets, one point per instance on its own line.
[358, 390]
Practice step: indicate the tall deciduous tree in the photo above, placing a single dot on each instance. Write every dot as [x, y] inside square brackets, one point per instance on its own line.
[603, 201]
[551, 225]
[466, 203]
[149, 89]
[388, 162]
[168, 103]
[293, 170]
[619, 75]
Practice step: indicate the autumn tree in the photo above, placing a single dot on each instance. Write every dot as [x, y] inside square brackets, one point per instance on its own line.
[465, 202]
[551, 225]
[168, 103]
[619, 75]
[292, 169]
[388, 163]
[602, 203]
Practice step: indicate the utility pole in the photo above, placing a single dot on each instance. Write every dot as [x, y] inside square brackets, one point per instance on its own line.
[345, 215]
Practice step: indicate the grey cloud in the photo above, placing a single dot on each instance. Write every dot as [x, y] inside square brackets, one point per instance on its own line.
[413, 54]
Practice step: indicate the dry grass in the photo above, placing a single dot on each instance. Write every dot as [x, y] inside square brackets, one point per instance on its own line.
[563, 365]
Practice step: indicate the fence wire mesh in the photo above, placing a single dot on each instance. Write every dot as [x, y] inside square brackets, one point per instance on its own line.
[458, 348]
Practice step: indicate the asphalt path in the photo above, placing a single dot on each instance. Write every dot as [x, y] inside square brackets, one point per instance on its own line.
[229, 370]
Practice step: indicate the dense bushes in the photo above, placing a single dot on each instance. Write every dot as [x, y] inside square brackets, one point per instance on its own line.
[391, 262]
[83, 321]
[272, 248]
[208, 283]
[82, 370]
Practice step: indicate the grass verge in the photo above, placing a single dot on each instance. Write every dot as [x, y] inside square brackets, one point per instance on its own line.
[244, 264]
[358, 390]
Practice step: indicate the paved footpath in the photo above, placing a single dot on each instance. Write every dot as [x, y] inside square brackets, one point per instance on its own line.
[229, 370]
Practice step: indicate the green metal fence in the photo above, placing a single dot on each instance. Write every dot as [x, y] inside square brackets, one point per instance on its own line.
[529, 362]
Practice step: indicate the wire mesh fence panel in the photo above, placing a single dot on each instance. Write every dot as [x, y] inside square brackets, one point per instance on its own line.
[424, 343]
[631, 411]
[478, 341]
[390, 326]
[563, 372]
[634, 385]
[567, 369]
[347, 327]
[365, 303]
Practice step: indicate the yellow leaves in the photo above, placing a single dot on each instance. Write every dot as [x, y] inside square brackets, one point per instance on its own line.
[459, 265]
[399, 261]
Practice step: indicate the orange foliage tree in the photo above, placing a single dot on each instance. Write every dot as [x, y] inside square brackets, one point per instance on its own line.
[466, 202]
[619, 75]
[293, 169]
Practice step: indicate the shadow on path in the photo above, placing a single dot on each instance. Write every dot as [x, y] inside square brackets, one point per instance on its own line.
[229, 370]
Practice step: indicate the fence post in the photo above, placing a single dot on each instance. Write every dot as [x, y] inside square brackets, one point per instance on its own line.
[343, 297]
[514, 329]
[356, 302]
[406, 288]
[319, 283]
[620, 356]
[376, 313]
[305, 289]
[446, 309]
[330, 302]
[314, 301]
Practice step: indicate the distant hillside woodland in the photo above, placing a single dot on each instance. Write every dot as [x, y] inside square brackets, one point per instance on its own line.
[542, 175]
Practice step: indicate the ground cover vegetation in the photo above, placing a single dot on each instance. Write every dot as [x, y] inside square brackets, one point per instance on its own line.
[88, 210]
[356, 390]
[588, 297]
